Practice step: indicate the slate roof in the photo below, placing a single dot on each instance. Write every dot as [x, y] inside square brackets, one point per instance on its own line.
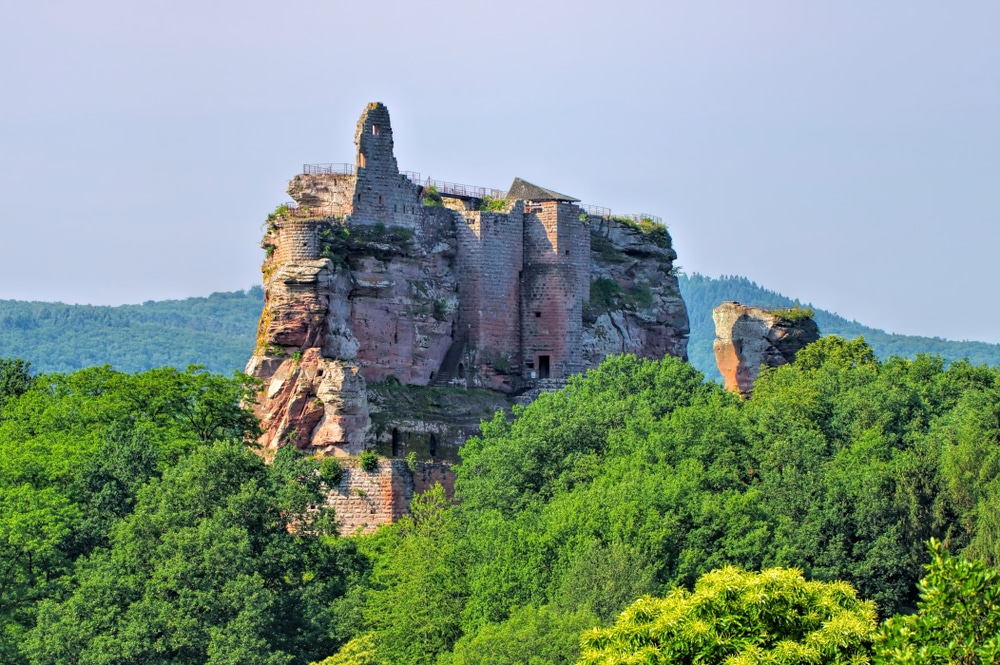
[525, 191]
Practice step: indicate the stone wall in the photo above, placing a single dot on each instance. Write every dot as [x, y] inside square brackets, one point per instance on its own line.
[364, 500]
[332, 193]
[297, 240]
[489, 268]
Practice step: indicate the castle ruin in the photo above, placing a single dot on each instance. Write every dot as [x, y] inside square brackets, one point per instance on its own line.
[379, 285]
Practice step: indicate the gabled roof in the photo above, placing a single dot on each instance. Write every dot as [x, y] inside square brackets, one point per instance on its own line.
[525, 191]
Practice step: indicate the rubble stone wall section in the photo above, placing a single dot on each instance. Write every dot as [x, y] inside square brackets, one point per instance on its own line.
[333, 193]
[555, 281]
[364, 500]
[550, 319]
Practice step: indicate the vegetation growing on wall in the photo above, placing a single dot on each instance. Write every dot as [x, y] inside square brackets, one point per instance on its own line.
[432, 198]
[339, 242]
[654, 231]
[491, 204]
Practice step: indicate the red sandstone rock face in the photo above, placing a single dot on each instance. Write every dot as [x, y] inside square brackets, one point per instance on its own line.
[747, 338]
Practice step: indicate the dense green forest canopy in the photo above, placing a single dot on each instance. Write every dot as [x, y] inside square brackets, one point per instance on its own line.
[216, 331]
[702, 294]
[642, 479]
[138, 526]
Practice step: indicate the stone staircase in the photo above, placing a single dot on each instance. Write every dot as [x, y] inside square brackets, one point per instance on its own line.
[449, 365]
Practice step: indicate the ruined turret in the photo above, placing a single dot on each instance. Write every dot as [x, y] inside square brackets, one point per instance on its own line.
[748, 338]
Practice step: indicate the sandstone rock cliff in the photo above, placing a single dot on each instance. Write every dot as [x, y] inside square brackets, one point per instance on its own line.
[635, 305]
[378, 305]
[747, 338]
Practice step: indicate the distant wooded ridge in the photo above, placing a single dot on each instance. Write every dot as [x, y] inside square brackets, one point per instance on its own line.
[218, 331]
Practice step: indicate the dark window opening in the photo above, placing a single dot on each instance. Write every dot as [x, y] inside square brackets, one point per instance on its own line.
[567, 252]
[531, 365]
[432, 376]
[319, 372]
[380, 200]
[538, 315]
[461, 370]
[395, 442]
[433, 445]
[359, 198]
[543, 367]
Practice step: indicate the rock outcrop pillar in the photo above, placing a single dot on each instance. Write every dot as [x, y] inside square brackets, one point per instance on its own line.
[747, 338]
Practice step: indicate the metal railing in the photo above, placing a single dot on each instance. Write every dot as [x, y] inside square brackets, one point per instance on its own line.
[446, 188]
[468, 191]
[595, 211]
[324, 169]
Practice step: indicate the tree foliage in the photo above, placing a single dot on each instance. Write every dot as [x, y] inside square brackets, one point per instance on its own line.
[136, 526]
[211, 567]
[957, 620]
[91, 538]
[740, 618]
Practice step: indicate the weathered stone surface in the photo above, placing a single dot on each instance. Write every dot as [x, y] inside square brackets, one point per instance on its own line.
[747, 338]
[648, 317]
[363, 500]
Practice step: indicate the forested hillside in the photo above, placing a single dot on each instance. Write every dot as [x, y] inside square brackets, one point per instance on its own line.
[611, 522]
[702, 294]
[217, 331]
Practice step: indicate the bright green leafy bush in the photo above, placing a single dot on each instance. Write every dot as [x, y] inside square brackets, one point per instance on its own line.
[739, 618]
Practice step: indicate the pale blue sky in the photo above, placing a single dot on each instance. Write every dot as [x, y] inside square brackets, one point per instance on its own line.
[846, 153]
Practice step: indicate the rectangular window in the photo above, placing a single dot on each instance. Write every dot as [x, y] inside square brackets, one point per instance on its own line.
[543, 367]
